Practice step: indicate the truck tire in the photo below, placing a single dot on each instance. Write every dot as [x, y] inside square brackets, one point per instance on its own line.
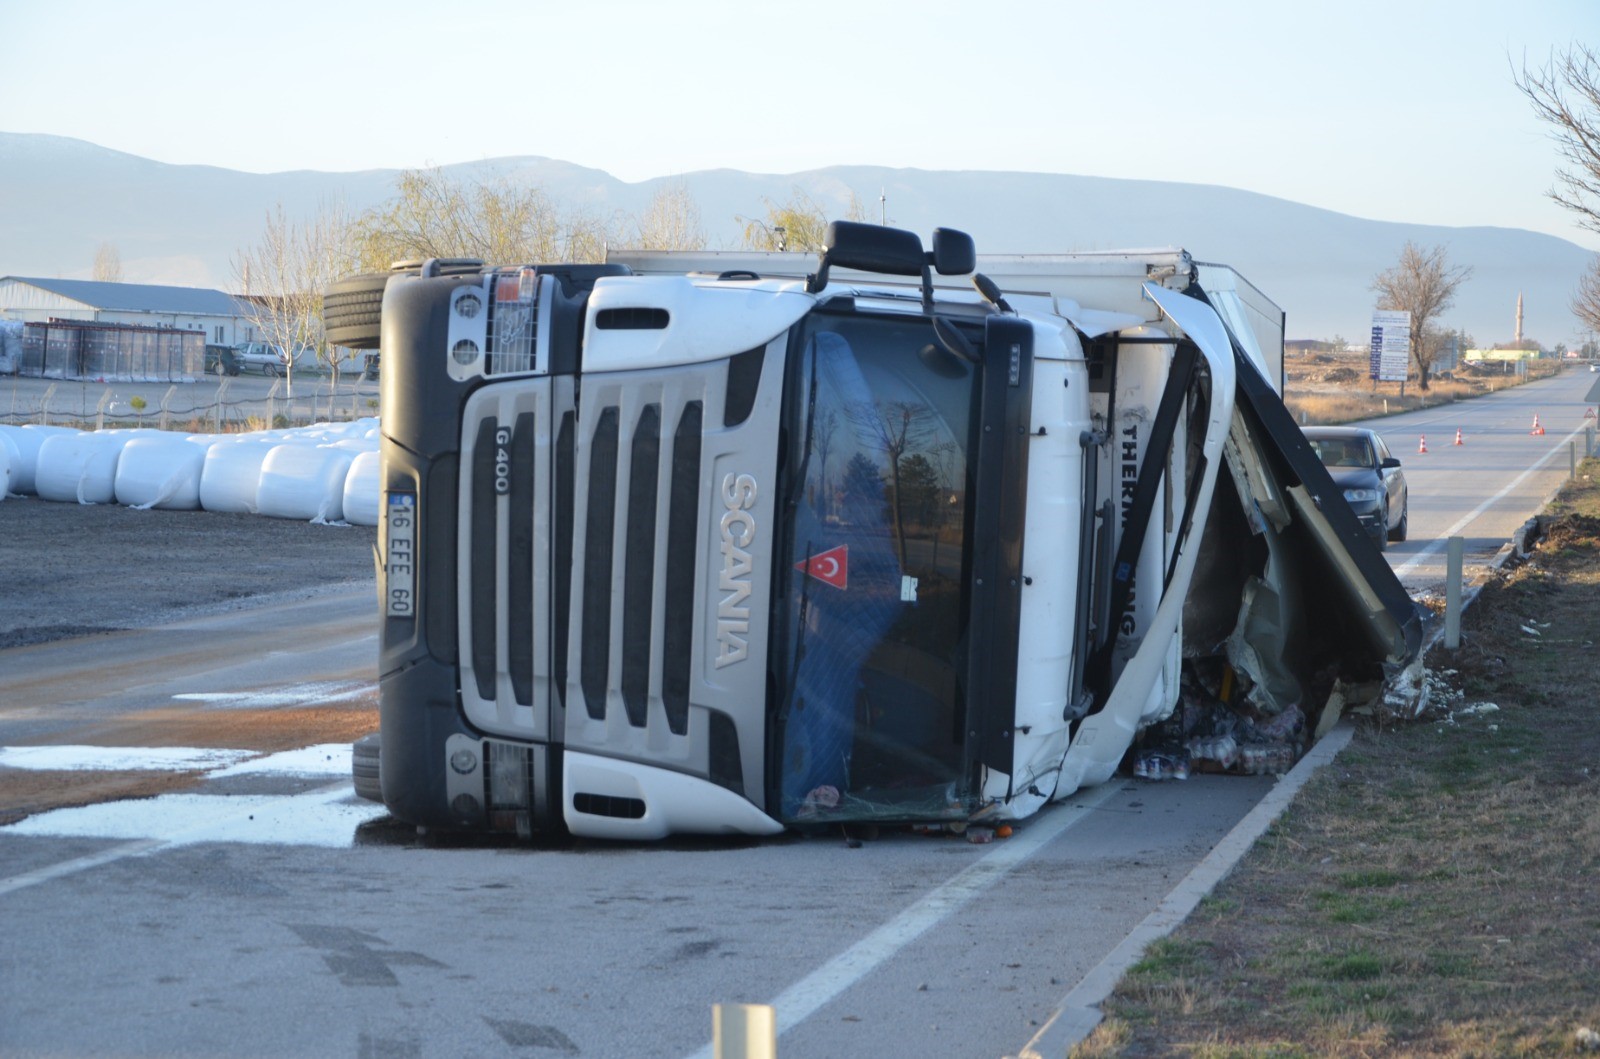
[364, 768]
[352, 308]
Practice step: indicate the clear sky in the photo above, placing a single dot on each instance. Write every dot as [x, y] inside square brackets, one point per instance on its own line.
[1402, 110]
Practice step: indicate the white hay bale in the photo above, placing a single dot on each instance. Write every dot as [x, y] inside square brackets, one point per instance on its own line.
[26, 440]
[363, 489]
[80, 467]
[8, 456]
[231, 474]
[304, 482]
[161, 472]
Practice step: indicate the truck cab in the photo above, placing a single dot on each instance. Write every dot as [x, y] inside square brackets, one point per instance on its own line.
[674, 549]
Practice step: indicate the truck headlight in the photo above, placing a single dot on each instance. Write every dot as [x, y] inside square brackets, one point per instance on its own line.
[1360, 496]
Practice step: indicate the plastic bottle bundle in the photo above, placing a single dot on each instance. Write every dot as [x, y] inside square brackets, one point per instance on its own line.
[1167, 764]
[1264, 759]
[1220, 750]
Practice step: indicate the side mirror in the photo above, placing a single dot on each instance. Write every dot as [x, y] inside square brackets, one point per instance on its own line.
[1390, 461]
[953, 252]
[873, 248]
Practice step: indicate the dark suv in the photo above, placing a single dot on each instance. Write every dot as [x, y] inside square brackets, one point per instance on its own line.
[221, 360]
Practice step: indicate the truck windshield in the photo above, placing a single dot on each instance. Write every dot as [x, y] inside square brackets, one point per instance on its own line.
[871, 630]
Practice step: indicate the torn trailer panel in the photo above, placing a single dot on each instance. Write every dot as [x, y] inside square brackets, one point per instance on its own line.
[733, 543]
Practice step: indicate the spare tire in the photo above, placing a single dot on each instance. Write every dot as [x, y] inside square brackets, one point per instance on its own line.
[352, 309]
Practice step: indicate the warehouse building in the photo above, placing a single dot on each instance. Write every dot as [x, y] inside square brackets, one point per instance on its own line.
[224, 319]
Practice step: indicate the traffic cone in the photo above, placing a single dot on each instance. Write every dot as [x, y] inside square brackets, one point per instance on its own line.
[1537, 429]
[1458, 435]
[1422, 444]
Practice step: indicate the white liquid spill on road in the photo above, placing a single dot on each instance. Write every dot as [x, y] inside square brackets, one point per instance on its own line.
[119, 758]
[327, 816]
[313, 694]
[327, 759]
[324, 759]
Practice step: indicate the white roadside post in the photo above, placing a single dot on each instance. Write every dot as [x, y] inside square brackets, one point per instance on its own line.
[744, 1031]
[1452, 593]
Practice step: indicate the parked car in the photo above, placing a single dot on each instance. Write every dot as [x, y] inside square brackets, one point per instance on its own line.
[1374, 486]
[262, 358]
[221, 360]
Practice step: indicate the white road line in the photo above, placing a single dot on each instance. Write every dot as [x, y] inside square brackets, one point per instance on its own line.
[77, 864]
[801, 1000]
[1440, 541]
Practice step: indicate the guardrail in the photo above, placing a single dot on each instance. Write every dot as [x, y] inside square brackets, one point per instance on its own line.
[205, 405]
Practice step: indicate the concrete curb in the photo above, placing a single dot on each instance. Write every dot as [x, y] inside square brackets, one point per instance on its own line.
[1079, 1013]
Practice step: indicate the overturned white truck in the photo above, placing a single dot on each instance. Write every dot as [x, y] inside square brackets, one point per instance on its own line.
[726, 543]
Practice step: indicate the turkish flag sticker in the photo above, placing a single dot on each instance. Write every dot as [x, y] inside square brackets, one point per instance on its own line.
[831, 567]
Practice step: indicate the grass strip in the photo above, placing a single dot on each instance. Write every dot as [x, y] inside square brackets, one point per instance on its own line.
[1436, 890]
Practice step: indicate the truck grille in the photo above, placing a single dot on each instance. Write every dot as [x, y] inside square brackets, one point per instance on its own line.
[530, 495]
[630, 662]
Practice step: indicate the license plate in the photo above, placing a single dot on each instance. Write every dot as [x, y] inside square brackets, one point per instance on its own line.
[400, 566]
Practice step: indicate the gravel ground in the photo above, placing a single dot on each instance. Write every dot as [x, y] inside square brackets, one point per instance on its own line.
[71, 569]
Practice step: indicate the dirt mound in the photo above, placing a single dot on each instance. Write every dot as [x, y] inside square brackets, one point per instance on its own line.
[1574, 531]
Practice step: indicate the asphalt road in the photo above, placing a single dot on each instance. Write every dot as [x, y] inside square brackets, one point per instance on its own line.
[1498, 477]
[265, 911]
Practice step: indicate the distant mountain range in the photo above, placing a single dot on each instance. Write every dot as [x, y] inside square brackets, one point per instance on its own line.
[61, 198]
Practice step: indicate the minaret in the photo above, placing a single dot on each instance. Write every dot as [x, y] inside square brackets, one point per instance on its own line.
[1519, 320]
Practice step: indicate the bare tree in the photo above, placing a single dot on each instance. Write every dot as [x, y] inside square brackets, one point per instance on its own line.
[434, 214]
[671, 220]
[1565, 94]
[894, 428]
[107, 264]
[800, 223]
[283, 278]
[1423, 283]
[1586, 302]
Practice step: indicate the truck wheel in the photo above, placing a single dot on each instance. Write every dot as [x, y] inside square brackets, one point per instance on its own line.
[364, 768]
[351, 309]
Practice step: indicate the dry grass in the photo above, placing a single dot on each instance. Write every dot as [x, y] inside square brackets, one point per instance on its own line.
[1436, 891]
[1323, 388]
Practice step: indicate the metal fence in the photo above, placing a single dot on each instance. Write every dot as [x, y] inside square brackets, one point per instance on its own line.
[209, 405]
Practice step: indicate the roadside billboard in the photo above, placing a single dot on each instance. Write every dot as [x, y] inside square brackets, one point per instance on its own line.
[1391, 345]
